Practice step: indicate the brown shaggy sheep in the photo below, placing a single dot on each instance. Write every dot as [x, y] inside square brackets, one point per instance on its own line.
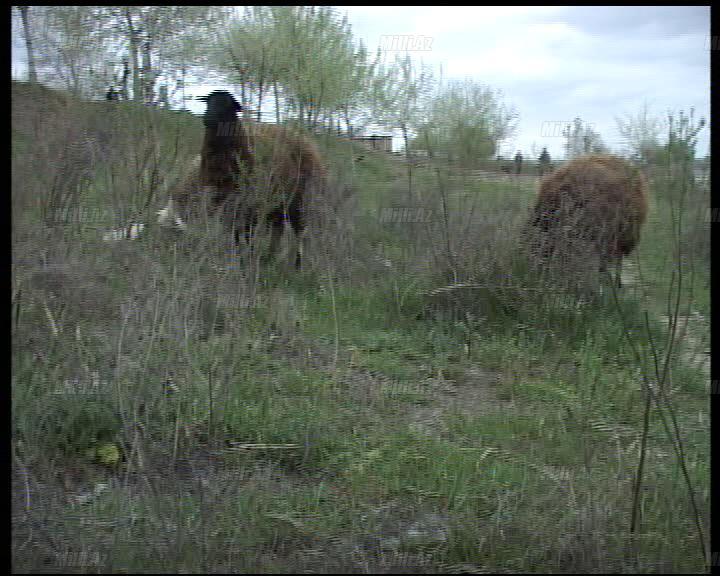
[252, 173]
[288, 169]
[596, 203]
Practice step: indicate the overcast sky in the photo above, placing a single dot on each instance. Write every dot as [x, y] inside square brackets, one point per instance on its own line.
[551, 63]
[555, 63]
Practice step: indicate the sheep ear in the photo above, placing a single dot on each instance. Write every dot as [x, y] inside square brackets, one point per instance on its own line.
[202, 98]
[237, 106]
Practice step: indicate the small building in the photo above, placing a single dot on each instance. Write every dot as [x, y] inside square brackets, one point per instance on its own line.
[374, 142]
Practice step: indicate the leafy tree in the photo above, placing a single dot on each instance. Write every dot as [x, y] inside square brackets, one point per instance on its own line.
[641, 134]
[306, 55]
[682, 135]
[401, 92]
[161, 34]
[71, 41]
[581, 139]
[466, 121]
[83, 47]
[680, 146]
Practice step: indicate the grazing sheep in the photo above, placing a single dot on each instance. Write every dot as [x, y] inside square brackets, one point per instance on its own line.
[596, 202]
[253, 173]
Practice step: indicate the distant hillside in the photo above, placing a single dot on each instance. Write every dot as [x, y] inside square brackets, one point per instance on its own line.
[114, 156]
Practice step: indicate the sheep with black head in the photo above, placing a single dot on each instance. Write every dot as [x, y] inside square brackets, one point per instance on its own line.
[253, 173]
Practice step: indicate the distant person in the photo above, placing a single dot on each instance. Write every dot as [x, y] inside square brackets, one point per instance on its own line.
[544, 162]
[518, 162]
[112, 94]
[163, 96]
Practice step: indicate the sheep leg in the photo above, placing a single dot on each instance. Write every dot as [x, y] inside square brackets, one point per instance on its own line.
[617, 272]
[298, 225]
[276, 231]
[603, 264]
[250, 221]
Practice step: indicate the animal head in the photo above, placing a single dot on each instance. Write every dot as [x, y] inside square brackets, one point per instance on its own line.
[221, 107]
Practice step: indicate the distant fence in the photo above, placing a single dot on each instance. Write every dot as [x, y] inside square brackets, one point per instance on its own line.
[375, 142]
[484, 169]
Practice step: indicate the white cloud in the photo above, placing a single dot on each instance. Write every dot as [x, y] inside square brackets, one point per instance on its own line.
[556, 63]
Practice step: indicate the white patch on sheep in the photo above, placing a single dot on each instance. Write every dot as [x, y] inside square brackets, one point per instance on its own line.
[168, 216]
[130, 232]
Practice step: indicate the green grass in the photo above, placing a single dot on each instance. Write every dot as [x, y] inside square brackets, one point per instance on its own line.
[341, 418]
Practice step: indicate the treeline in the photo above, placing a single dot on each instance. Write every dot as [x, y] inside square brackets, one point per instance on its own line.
[301, 62]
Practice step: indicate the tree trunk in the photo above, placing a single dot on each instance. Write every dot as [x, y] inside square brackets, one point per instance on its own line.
[73, 81]
[134, 41]
[318, 104]
[243, 98]
[261, 93]
[124, 84]
[32, 73]
[183, 71]
[277, 102]
[407, 161]
[148, 77]
[136, 85]
[261, 87]
[347, 122]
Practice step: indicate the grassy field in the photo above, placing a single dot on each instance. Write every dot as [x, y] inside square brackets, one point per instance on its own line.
[417, 399]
